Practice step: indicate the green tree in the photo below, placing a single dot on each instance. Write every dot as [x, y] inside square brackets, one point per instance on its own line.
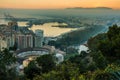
[7, 68]
[110, 47]
[32, 70]
[99, 60]
[46, 62]
[64, 71]
[93, 42]
[113, 32]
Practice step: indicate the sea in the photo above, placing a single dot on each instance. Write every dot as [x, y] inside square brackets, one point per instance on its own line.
[86, 16]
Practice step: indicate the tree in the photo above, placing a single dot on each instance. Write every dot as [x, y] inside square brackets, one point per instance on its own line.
[7, 59]
[99, 60]
[46, 62]
[68, 70]
[64, 71]
[32, 70]
[93, 42]
[110, 47]
[107, 43]
[113, 31]
[111, 72]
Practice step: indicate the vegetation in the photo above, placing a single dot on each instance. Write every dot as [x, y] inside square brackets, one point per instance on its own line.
[41, 65]
[32, 70]
[108, 44]
[46, 62]
[7, 68]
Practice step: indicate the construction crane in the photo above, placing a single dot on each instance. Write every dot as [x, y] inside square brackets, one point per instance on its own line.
[9, 17]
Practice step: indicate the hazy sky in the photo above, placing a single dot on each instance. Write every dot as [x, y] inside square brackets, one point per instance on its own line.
[49, 4]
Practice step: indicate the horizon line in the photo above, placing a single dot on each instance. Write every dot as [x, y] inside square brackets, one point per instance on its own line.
[62, 8]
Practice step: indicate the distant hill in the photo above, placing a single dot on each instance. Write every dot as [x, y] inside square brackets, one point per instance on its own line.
[91, 8]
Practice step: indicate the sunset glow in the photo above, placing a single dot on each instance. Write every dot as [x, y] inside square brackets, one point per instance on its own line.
[56, 4]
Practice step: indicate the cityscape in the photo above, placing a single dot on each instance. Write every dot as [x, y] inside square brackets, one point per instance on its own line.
[60, 40]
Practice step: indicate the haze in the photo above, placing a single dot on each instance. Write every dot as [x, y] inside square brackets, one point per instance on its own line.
[58, 4]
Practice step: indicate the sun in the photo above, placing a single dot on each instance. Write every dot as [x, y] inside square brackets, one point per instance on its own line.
[98, 4]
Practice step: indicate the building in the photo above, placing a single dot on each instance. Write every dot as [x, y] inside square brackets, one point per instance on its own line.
[24, 41]
[11, 35]
[38, 38]
[83, 48]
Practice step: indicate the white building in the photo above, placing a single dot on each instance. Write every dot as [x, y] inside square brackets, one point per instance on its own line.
[83, 48]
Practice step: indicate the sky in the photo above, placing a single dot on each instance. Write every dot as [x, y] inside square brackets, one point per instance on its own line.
[58, 4]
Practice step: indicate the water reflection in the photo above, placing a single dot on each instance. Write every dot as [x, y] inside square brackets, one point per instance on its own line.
[50, 31]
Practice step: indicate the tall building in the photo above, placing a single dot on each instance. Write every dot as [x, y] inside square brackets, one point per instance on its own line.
[38, 38]
[11, 35]
[24, 41]
[6, 41]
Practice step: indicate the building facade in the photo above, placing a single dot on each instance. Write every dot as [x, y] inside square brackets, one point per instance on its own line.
[24, 41]
[39, 38]
[21, 37]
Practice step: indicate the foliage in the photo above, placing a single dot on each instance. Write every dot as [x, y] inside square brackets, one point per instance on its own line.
[107, 43]
[46, 62]
[99, 60]
[32, 70]
[110, 47]
[110, 72]
[64, 71]
[7, 71]
[41, 65]
[93, 42]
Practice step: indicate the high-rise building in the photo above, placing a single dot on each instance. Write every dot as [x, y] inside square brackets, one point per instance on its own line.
[38, 38]
[21, 37]
[24, 41]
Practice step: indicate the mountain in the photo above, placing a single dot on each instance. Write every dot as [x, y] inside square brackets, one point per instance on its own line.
[107, 8]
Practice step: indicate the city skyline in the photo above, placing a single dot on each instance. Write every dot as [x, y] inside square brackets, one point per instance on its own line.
[61, 4]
